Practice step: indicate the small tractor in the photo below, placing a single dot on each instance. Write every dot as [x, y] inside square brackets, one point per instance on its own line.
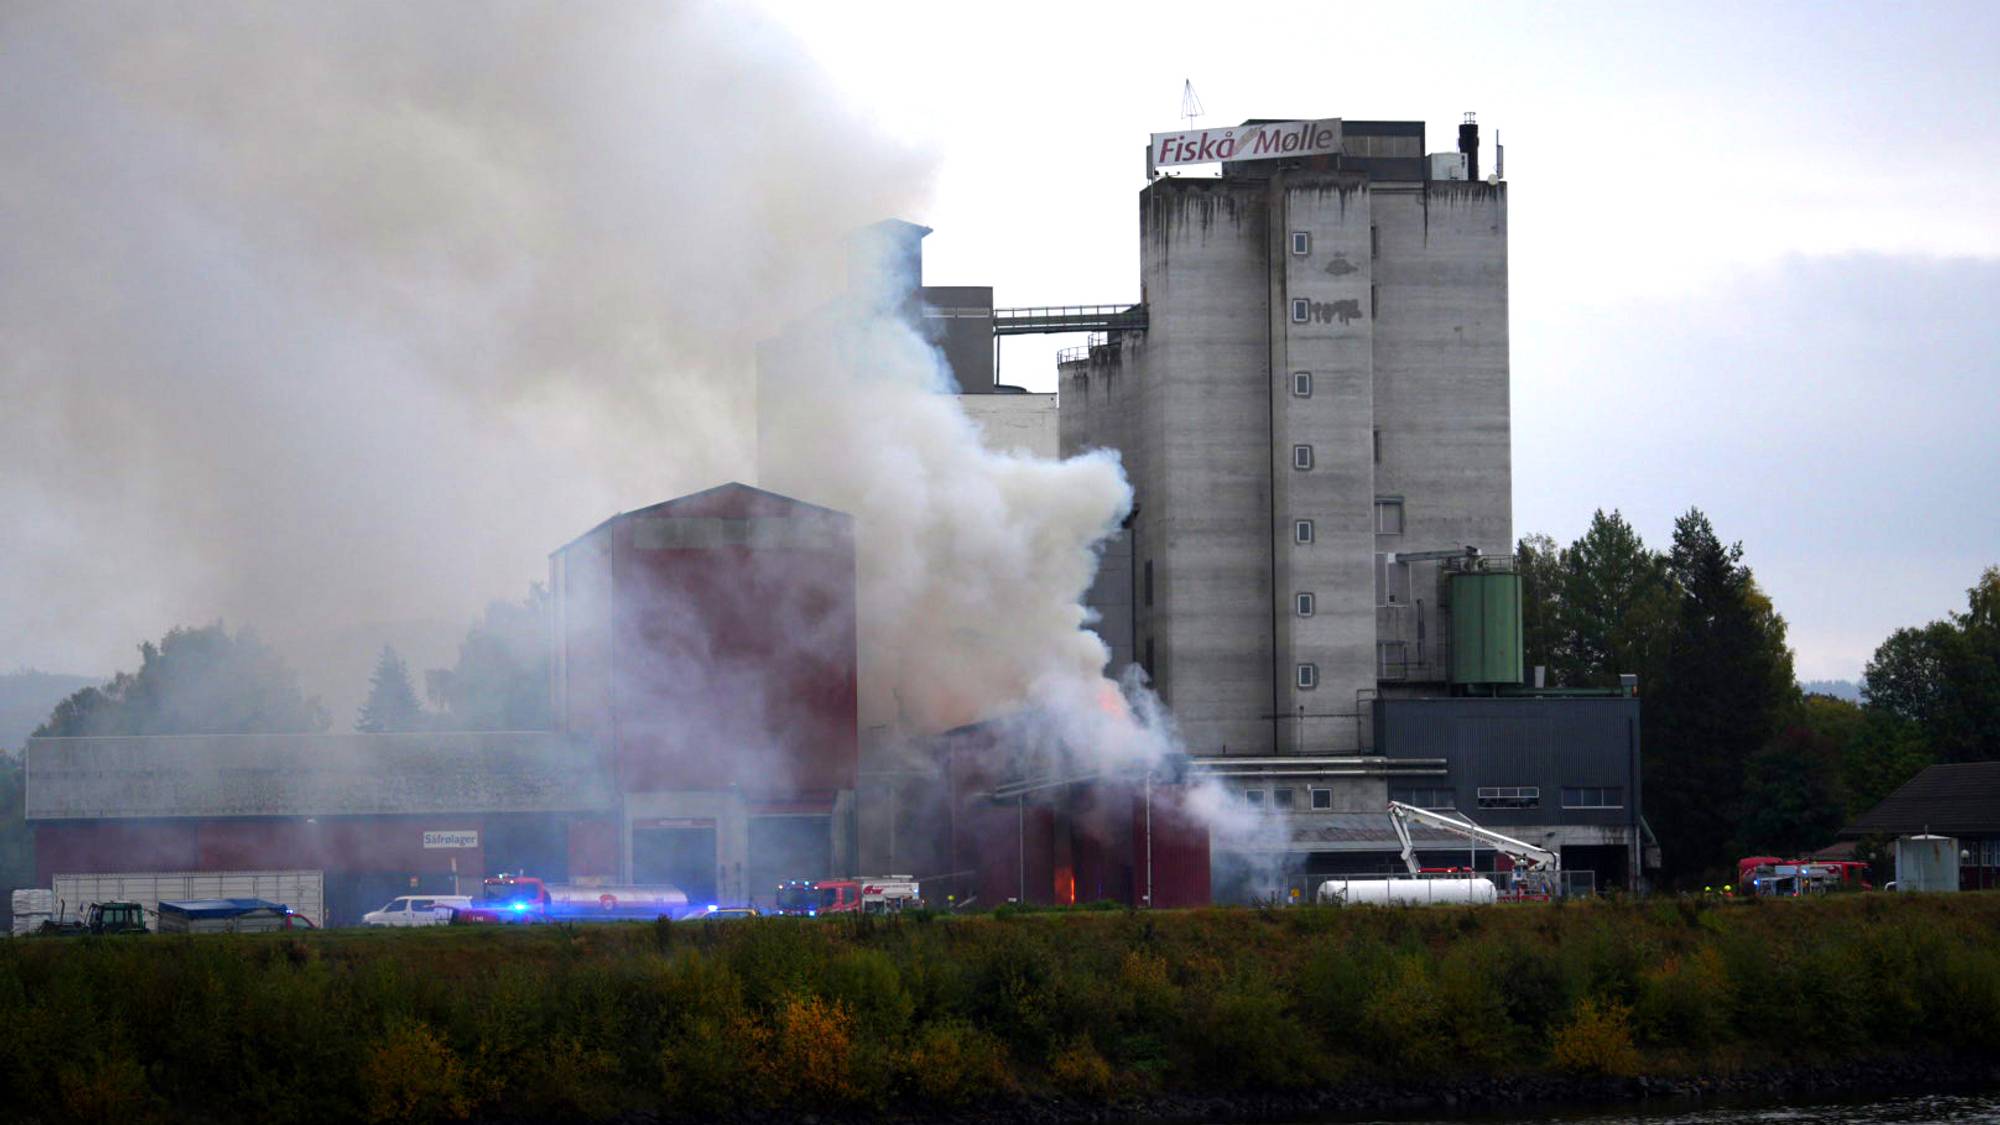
[102, 918]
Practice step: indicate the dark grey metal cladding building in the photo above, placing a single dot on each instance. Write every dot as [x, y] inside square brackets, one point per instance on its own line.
[1558, 771]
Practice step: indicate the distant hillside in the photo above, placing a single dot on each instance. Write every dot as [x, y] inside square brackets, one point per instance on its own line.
[26, 698]
[1839, 689]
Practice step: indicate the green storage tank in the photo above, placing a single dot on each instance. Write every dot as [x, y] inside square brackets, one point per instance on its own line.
[1486, 628]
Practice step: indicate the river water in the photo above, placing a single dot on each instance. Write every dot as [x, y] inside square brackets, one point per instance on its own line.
[1918, 1109]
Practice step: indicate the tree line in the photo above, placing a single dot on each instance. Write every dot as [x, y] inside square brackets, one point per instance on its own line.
[210, 680]
[1735, 759]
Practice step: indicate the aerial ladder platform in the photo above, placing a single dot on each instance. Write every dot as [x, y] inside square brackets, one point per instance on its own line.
[1537, 872]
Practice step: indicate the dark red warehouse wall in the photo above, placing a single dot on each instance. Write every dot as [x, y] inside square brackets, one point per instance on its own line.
[729, 664]
[594, 848]
[1177, 843]
[367, 844]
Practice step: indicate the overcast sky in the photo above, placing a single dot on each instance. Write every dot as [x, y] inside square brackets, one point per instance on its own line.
[1755, 249]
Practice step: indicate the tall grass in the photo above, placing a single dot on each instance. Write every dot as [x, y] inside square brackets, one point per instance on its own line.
[916, 1012]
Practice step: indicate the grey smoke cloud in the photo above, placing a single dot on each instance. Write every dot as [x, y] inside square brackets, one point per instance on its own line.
[323, 316]
[327, 320]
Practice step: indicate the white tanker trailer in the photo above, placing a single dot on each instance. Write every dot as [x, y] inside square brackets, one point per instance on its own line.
[1408, 892]
[524, 898]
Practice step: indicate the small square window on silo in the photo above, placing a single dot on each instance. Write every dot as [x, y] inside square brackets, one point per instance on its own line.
[1301, 310]
[1302, 384]
[1305, 603]
[1308, 677]
[1302, 457]
[1302, 531]
[1301, 242]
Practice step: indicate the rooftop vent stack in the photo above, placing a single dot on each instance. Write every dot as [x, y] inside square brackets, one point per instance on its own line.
[1499, 156]
[1468, 143]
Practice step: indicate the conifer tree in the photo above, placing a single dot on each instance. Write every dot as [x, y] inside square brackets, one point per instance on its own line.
[1728, 686]
[1617, 603]
[392, 703]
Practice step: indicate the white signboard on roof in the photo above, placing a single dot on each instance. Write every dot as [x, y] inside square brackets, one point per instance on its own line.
[1247, 142]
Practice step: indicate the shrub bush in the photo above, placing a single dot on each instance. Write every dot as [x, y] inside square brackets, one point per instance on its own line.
[1684, 1001]
[812, 1054]
[712, 1065]
[1475, 1011]
[788, 1015]
[954, 1064]
[1079, 1070]
[1402, 1020]
[413, 1075]
[1597, 1040]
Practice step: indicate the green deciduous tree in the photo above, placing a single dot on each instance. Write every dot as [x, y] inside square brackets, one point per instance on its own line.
[194, 681]
[1906, 678]
[501, 680]
[1885, 753]
[392, 703]
[1792, 793]
[1932, 694]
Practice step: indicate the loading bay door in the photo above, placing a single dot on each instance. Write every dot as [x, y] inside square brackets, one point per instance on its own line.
[678, 852]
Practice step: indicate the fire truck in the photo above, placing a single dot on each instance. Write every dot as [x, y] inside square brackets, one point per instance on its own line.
[1772, 877]
[871, 894]
[523, 898]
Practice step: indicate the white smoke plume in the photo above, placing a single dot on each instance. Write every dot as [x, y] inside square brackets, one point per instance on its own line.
[326, 318]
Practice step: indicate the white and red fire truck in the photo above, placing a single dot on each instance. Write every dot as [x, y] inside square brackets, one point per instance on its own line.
[870, 894]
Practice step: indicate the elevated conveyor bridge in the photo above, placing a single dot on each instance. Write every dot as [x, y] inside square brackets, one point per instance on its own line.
[1067, 318]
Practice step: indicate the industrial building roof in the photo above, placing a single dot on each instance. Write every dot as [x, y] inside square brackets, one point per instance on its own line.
[1372, 831]
[312, 775]
[734, 500]
[1961, 799]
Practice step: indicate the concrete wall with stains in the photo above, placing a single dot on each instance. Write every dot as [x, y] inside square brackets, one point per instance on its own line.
[1204, 483]
[1441, 393]
[1322, 328]
[1403, 335]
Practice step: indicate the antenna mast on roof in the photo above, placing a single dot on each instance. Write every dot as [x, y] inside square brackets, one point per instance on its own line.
[1190, 104]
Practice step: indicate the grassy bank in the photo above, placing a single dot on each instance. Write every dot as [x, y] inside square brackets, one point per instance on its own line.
[920, 1013]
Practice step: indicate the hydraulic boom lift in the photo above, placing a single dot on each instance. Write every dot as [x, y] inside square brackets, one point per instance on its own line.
[1537, 871]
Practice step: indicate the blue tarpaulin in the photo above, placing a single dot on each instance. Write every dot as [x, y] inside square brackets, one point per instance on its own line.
[222, 907]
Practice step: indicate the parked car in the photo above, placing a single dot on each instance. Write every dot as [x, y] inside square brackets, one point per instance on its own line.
[723, 914]
[417, 910]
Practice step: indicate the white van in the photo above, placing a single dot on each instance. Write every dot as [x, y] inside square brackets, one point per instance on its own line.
[417, 910]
